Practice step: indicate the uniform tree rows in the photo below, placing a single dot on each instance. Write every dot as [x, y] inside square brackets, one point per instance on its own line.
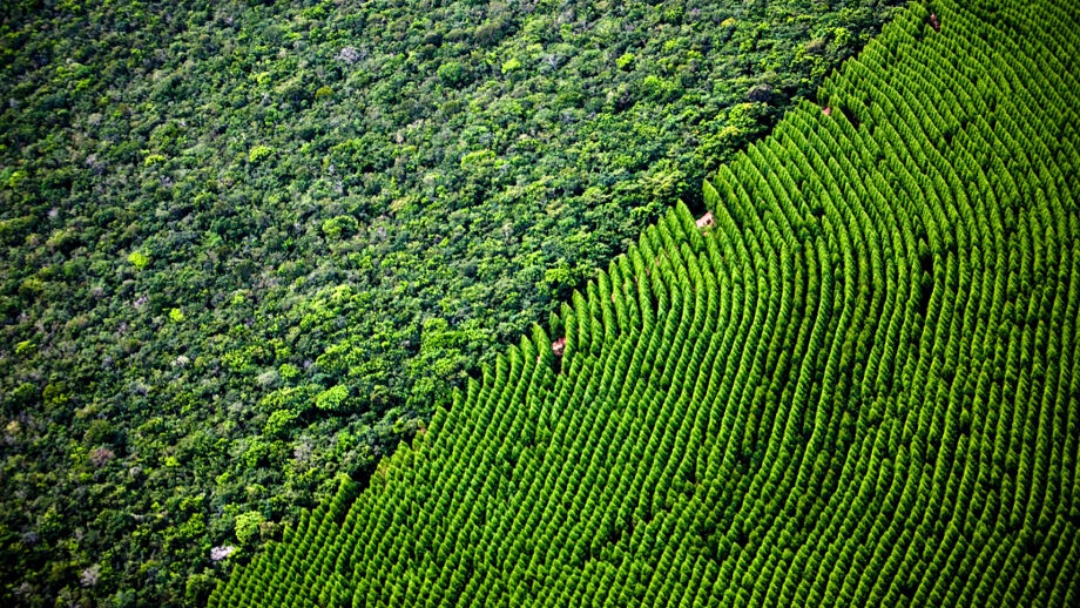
[859, 386]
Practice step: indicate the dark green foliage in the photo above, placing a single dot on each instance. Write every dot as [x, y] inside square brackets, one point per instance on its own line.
[860, 387]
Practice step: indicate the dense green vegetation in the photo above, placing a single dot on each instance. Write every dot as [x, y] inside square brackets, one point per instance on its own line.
[249, 245]
[860, 387]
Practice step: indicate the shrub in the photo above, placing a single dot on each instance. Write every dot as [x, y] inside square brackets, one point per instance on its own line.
[247, 524]
[259, 153]
[332, 399]
[278, 422]
[452, 74]
[138, 259]
[511, 65]
[340, 227]
[288, 371]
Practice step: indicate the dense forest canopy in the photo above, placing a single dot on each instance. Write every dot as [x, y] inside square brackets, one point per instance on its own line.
[248, 246]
